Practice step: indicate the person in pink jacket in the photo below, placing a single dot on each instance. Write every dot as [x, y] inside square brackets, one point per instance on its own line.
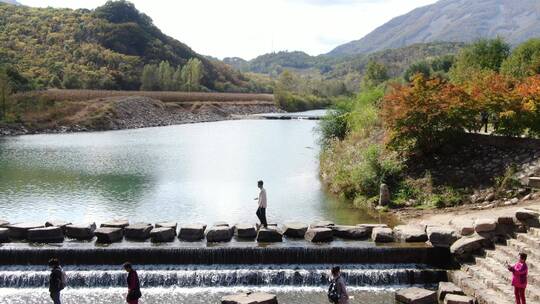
[519, 278]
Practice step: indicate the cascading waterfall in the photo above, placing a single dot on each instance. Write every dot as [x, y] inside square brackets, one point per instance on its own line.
[226, 276]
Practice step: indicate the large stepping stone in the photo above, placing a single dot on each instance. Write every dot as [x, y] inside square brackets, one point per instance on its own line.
[458, 299]
[321, 224]
[20, 230]
[351, 232]
[319, 235]
[115, 224]
[411, 233]
[416, 295]
[370, 227]
[221, 224]
[81, 232]
[468, 245]
[441, 236]
[172, 225]
[4, 235]
[382, 235]
[162, 234]
[192, 232]
[526, 214]
[463, 226]
[446, 288]
[46, 235]
[250, 298]
[269, 235]
[109, 235]
[295, 229]
[61, 224]
[3, 223]
[138, 232]
[485, 225]
[245, 231]
[218, 234]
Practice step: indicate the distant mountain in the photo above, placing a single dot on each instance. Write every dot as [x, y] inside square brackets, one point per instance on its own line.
[14, 2]
[453, 20]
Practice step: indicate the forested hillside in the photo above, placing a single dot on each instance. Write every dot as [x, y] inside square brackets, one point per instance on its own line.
[105, 48]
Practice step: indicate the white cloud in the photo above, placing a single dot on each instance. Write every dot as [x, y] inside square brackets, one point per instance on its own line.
[248, 28]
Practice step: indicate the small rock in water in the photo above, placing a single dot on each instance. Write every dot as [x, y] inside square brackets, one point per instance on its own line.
[416, 295]
[250, 298]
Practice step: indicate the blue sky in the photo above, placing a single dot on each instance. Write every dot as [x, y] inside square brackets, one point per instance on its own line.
[248, 28]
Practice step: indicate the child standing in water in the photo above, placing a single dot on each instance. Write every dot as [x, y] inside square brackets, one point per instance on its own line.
[519, 278]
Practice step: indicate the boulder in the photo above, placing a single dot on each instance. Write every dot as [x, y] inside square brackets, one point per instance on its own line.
[458, 299]
[46, 235]
[485, 225]
[269, 235]
[416, 295]
[321, 224]
[172, 225]
[192, 232]
[61, 224]
[534, 182]
[250, 298]
[526, 214]
[162, 234]
[116, 224]
[410, 233]
[319, 235]
[463, 226]
[81, 232]
[4, 235]
[19, 231]
[139, 231]
[382, 235]
[468, 245]
[295, 230]
[351, 232]
[505, 220]
[109, 234]
[218, 234]
[384, 195]
[245, 231]
[441, 236]
[446, 288]
[4, 223]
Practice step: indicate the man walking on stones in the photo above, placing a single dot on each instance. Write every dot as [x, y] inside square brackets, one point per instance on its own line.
[261, 211]
[56, 280]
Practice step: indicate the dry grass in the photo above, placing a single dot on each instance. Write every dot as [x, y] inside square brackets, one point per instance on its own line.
[188, 97]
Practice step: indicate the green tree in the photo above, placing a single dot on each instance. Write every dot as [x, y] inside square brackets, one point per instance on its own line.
[420, 67]
[524, 60]
[375, 74]
[178, 81]
[5, 90]
[71, 80]
[192, 74]
[150, 80]
[55, 82]
[443, 63]
[166, 74]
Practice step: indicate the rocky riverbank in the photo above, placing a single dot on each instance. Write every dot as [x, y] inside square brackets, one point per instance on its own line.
[133, 112]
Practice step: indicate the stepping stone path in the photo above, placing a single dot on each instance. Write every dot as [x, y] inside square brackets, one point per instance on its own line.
[46, 235]
[218, 234]
[446, 288]
[109, 235]
[81, 232]
[172, 225]
[295, 230]
[191, 233]
[321, 224]
[139, 231]
[416, 295]
[116, 224]
[411, 233]
[4, 235]
[485, 225]
[61, 224]
[19, 231]
[3, 223]
[250, 298]
[463, 226]
[162, 234]
[441, 236]
[382, 235]
[351, 232]
[269, 235]
[245, 231]
[319, 235]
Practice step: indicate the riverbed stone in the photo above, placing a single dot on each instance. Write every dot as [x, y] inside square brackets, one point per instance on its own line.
[20, 230]
[410, 233]
[485, 225]
[109, 234]
[219, 234]
[250, 298]
[172, 225]
[415, 295]
[321, 224]
[46, 235]
[441, 236]
[351, 232]
[4, 235]
[138, 231]
[458, 299]
[446, 288]
[382, 235]
[319, 235]
[191, 232]
[269, 235]
[463, 226]
[162, 234]
[81, 231]
[467, 245]
[295, 229]
[526, 214]
[245, 231]
[57, 223]
[115, 224]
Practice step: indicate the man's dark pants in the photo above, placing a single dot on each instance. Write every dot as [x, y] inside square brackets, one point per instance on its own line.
[261, 214]
[55, 296]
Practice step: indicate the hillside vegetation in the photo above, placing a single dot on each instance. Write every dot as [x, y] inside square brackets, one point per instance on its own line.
[452, 20]
[105, 48]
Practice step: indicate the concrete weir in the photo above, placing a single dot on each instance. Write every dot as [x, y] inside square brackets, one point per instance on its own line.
[433, 256]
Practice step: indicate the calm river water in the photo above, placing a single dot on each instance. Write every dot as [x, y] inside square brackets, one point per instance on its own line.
[202, 172]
